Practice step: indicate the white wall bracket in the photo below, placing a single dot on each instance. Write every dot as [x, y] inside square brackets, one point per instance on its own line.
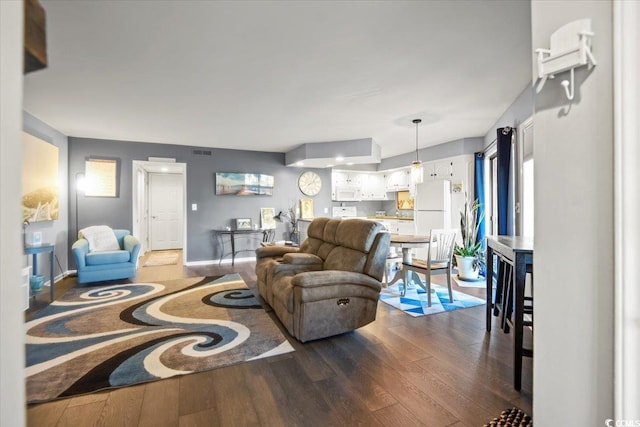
[570, 48]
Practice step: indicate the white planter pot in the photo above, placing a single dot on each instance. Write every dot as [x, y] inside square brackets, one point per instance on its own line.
[465, 268]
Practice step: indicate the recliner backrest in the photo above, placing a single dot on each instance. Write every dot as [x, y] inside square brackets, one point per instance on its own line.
[348, 245]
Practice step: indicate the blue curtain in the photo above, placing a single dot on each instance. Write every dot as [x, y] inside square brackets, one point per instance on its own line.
[478, 189]
[505, 136]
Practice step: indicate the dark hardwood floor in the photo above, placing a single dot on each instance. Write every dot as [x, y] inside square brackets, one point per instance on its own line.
[437, 370]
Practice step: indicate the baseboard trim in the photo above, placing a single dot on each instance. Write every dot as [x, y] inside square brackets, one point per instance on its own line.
[216, 261]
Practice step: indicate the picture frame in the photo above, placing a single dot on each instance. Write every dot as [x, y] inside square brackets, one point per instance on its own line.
[40, 193]
[101, 177]
[306, 209]
[404, 201]
[243, 224]
[267, 218]
[244, 184]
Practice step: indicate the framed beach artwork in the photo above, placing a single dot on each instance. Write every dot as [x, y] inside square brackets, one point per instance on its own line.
[39, 179]
[267, 218]
[244, 184]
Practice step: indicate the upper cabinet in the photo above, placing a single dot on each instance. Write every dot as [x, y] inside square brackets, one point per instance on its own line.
[397, 180]
[355, 186]
[373, 187]
[344, 178]
[365, 185]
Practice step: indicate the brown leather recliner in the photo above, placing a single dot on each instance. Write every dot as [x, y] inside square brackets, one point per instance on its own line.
[329, 285]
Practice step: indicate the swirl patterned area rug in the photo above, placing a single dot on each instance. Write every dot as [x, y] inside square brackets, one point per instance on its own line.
[114, 336]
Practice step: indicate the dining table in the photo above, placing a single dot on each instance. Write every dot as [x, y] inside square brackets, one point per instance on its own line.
[406, 242]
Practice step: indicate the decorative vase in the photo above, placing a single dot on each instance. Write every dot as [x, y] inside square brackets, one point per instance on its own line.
[466, 269]
[35, 283]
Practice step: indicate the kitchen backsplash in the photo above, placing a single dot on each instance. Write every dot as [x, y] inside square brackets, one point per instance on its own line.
[370, 208]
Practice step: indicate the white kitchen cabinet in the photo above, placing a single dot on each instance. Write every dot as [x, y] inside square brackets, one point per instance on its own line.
[438, 170]
[344, 178]
[373, 187]
[397, 180]
[400, 226]
[345, 186]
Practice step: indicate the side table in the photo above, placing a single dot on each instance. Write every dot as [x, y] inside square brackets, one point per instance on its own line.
[34, 250]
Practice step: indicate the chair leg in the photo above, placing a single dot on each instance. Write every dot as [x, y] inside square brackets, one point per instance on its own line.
[427, 279]
[449, 284]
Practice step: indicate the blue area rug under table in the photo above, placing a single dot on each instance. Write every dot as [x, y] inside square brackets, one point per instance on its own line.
[414, 303]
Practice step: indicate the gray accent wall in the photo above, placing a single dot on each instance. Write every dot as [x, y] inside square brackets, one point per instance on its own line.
[214, 211]
[519, 111]
[52, 231]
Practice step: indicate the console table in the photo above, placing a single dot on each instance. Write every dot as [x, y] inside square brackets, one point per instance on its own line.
[518, 251]
[34, 250]
[233, 234]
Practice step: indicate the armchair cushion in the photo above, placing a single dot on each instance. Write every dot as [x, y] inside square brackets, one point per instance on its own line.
[107, 257]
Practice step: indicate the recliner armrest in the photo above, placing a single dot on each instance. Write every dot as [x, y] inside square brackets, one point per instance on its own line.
[313, 279]
[300, 258]
[274, 251]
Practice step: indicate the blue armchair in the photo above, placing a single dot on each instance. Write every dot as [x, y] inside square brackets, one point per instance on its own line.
[109, 265]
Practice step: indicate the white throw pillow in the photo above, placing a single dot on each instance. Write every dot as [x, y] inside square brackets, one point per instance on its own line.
[101, 238]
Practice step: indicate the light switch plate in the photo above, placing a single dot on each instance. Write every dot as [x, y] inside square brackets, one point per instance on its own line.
[194, 206]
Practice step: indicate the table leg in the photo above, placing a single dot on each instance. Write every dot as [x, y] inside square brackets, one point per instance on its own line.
[34, 258]
[51, 284]
[233, 249]
[489, 285]
[520, 273]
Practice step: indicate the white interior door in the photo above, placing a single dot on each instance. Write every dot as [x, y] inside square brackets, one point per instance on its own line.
[166, 202]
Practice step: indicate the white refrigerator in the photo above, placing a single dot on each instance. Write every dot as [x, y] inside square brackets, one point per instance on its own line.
[432, 206]
[432, 209]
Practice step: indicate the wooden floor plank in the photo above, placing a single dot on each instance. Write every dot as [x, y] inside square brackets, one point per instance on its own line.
[397, 416]
[82, 415]
[46, 414]
[122, 408]
[160, 403]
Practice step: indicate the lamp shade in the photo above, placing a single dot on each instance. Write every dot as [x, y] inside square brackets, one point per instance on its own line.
[416, 172]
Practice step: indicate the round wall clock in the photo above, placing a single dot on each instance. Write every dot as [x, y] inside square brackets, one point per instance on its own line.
[310, 183]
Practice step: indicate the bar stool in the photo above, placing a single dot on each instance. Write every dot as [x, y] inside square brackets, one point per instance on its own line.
[527, 313]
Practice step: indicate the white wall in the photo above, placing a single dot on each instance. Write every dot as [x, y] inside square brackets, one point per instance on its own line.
[11, 326]
[573, 269]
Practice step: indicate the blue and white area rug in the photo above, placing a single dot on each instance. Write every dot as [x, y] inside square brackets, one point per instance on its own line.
[96, 338]
[415, 303]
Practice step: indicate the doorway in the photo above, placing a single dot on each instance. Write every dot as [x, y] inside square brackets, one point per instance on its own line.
[165, 211]
[159, 190]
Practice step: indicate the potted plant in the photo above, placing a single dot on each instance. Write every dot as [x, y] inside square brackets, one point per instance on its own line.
[469, 255]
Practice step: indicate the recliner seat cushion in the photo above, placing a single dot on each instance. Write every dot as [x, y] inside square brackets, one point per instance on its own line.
[109, 257]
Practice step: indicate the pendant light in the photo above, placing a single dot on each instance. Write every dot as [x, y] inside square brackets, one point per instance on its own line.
[416, 165]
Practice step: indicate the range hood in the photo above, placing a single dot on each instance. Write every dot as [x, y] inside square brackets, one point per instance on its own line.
[334, 153]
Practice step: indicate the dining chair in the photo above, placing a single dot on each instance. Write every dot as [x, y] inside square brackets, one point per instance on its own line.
[439, 259]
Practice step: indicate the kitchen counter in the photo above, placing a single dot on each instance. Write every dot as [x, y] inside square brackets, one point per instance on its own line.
[394, 217]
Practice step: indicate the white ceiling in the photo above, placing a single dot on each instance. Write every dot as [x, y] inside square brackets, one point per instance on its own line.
[269, 76]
